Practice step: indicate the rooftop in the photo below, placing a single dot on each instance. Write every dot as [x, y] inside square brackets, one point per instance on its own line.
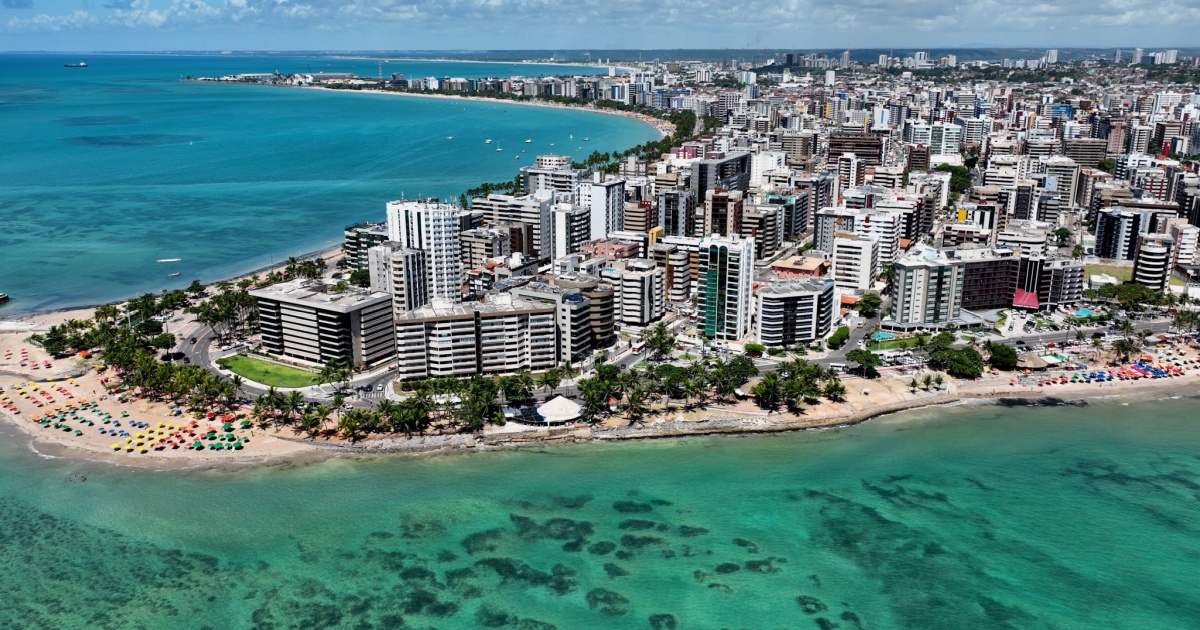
[317, 294]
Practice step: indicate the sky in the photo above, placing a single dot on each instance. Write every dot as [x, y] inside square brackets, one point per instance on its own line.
[159, 25]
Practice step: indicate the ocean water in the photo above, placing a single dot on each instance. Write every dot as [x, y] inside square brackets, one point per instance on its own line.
[109, 168]
[966, 517]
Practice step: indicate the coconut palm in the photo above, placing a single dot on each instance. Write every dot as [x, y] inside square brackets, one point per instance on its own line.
[927, 381]
[768, 393]
[938, 380]
[549, 380]
[913, 385]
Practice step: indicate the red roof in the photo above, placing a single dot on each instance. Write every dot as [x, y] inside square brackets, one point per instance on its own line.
[1025, 299]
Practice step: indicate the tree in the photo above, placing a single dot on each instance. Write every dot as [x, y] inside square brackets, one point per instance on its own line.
[839, 337]
[1063, 234]
[550, 379]
[768, 392]
[755, 349]
[960, 177]
[868, 305]
[195, 288]
[866, 360]
[914, 385]
[1004, 357]
[660, 341]
[927, 381]
[888, 275]
[834, 390]
[1077, 251]
[360, 278]
[1107, 165]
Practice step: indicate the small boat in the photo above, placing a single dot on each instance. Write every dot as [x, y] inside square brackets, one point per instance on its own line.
[488, 141]
[498, 149]
[528, 140]
[551, 144]
[449, 137]
[585, 139]
[3, 297]
[172, 275]
[571, 136]
[166, 260]
[81, 64]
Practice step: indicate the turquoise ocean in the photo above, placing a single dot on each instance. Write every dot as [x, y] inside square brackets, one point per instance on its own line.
[108, 168]
[971, 517]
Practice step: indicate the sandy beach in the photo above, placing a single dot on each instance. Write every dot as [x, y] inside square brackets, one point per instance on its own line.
[69, 382]
[662, 127]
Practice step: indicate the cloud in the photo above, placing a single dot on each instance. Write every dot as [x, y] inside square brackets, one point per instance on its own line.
[641, 24]
[43, 22]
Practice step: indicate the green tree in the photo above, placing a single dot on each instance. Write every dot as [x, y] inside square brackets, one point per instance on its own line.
[1004, 357]
[1063, 234]
[834, 390]
[960, 177]
[868, 305]
[360, 278]
[839, 337]
[866, 360]
[768, 393]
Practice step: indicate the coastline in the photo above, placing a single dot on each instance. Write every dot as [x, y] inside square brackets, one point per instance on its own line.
[481, 99]
[292, 450]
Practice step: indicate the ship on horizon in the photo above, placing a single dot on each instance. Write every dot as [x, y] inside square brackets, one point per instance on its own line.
[81, 64]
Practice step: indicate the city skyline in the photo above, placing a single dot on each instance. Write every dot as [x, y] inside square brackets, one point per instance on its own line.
[158, 25]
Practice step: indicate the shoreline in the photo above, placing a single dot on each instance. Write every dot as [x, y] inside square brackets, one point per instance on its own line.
[481, 99]
[293, 450]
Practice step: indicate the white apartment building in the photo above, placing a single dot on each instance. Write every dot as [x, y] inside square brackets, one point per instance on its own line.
[855, 262]
[1185, 237]
[570, 227]
[639, 288]
[605, 200]
[501, 336]
[400, 271]
[532, 209]
[929, 287]
[432, 227]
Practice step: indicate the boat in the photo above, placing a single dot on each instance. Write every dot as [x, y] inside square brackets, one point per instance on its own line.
[3, 297]
[488, 141]
[172, 275]
[165, 260]
[81, 64]
[528, 140]
[449, 137]
[585, 139]
[498, 149]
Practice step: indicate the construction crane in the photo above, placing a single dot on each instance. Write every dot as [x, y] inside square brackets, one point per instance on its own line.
[380, 64]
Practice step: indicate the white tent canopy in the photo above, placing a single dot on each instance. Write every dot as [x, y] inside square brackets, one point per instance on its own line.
[559, 410]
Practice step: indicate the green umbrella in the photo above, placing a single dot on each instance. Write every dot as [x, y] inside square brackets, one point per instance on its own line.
[245, 424]
[198, 445]
[78, 432]
[237, 445]
[228, 426]
[218, 446]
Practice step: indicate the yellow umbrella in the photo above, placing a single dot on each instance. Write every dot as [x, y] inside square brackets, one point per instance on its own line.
[116, 447]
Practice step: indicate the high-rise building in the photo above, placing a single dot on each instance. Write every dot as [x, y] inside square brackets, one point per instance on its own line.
[572, 317]
[1052, 56]
[724, 293]
[532, 210]
[718, 170]
[855, 262]
[764, 224]
[723, 212]
[1137, 56]
[869, 147]
[793, 312]
[640, 291]
[432, 227]
[402, 272]
[606, 202]
[929, 287]
[677, 208]
[846, 59]
[571, 227]
[306, 321]
[480, 245]
[359, 238]
[1152, 261]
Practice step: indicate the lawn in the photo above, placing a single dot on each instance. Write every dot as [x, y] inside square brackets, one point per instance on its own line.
[890, 344]
[1120, 272]
[267, 373]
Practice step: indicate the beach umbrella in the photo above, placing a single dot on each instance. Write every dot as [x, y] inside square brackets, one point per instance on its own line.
[237, 445]
[198, 445]
[116, 447]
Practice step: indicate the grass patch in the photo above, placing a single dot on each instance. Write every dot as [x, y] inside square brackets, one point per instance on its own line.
[267, 373]
[890, 344]
[1120, 272]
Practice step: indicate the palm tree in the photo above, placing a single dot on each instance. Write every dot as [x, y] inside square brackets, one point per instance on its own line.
[913, 385]
[1125, 348]
[389, 414]
[767, 393]
[291, 404]
[237, 382]
[635, 404]
[938, 380]
[550, 379]
[1126, 327]
[927, 381]
[835, 391]
[322, 413]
